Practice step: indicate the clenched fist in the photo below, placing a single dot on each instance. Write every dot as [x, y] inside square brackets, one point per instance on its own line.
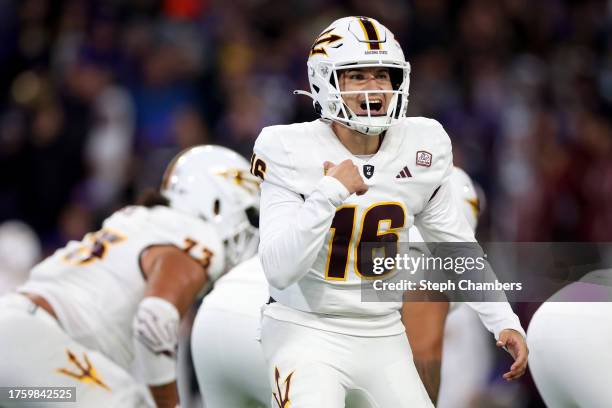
[348, 174]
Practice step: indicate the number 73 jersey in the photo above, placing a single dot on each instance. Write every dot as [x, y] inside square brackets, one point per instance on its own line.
[95, 285]
[407, 182]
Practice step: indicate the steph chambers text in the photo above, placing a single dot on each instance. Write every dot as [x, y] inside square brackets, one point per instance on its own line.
[464, 284]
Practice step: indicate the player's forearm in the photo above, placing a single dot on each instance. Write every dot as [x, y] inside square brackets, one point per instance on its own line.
[429, 371]
[165, 396]
[494, 310]
[292, 236]
[497, 316]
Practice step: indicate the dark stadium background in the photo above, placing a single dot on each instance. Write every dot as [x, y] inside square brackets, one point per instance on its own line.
[97, 96]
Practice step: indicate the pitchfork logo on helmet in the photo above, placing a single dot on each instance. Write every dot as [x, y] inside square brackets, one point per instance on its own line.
[354, 43]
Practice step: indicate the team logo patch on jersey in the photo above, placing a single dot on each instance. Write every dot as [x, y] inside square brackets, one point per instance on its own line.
[85, 372]
[368, 170]
[423, 158]
[404, 173]
[282, 400]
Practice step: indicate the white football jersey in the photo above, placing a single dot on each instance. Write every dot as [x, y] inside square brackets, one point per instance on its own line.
[95, 285]
[408, 185]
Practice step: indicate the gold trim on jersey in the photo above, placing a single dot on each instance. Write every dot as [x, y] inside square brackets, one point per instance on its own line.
[85, 373]
[204, 259]
[258, 167]
[348, 249]
[95, 245]
[378, 234]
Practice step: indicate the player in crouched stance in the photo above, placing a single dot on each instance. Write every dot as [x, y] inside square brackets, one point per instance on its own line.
[98, 308]
[362, 174]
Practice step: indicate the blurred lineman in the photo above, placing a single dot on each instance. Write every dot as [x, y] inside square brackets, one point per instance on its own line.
[227, 356]
[362, 174]
[570, 344]
[228, 321]
[97, 309]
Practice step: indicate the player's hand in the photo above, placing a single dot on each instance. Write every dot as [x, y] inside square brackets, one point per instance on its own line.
[348, 174]
[515, 344]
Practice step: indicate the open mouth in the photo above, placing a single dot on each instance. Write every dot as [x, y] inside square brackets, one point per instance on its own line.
[376, 107]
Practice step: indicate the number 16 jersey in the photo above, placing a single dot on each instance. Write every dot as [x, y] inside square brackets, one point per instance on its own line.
[407, 185]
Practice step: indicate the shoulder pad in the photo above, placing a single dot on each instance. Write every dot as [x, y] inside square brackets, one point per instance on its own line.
[427, 145]
[198, 238]
[279, 150]
[271, 160]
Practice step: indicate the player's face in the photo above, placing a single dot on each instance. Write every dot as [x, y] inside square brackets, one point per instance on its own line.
[366, 79]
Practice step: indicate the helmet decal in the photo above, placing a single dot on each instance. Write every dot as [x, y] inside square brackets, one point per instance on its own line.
[326, 37]
[370, 32]
[241, 178]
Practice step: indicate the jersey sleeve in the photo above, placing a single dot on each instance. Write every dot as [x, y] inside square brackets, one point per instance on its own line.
[292, 228]
[271, 160]
[442, 221]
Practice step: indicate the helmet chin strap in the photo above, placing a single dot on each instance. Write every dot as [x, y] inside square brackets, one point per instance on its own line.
[373, 129]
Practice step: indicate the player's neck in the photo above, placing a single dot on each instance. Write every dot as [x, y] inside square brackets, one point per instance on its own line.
[355, 142]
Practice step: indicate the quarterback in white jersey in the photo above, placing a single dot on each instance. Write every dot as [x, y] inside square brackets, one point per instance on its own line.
[99, 308]
[570, 344]
[363, 174]
[228, 360]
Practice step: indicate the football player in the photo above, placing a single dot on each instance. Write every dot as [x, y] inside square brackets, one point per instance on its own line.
[363, 174]
[98, 308]
[227, 356]
[569, 339]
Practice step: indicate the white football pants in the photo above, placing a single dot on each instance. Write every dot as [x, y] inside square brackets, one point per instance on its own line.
[38, 353]
[467, 359]
[228, 360]
[310, 368]
[570, 357]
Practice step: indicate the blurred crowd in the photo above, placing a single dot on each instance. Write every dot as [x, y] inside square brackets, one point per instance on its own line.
[97, 96]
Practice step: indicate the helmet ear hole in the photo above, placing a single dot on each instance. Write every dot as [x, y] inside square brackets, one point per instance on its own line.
[217, 207]
[252, 214]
